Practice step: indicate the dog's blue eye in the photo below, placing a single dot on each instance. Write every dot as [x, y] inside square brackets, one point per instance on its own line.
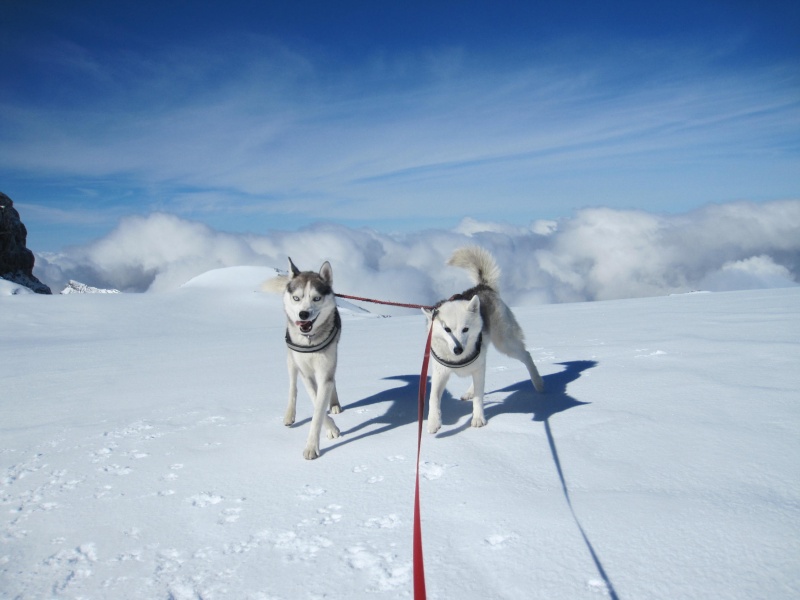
[296, 298]
[317, 298]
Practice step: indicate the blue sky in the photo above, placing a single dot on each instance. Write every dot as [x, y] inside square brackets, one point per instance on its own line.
[397, 116]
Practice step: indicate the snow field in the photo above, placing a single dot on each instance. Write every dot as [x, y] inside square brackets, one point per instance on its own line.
[143, 453]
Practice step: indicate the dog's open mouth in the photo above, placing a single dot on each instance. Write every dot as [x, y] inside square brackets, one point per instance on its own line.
[305, 326]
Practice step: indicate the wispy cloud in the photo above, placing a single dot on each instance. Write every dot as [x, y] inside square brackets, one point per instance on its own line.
[72, 216]
[433, 133]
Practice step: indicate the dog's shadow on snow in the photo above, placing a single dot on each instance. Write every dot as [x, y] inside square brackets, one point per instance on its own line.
[401, 411]
[522, 399]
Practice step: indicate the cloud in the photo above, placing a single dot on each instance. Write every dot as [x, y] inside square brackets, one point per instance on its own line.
[605, 254]
[757, 272]
[596, 254]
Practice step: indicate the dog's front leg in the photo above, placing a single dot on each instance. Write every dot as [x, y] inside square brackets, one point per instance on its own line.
[322, 400]
[336, 408]
[478, 385]
[291, 409]
[438, 383]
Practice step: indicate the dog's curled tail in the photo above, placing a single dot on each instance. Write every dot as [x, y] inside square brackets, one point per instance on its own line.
[276, 285]
[479, 263]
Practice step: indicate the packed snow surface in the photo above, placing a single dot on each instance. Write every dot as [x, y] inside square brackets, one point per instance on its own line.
[144, 455]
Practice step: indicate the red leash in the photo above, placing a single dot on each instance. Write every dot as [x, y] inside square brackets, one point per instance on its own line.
[419, 565]
[404, 305]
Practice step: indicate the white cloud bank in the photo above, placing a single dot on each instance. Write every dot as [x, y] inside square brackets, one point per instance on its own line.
[597, 254]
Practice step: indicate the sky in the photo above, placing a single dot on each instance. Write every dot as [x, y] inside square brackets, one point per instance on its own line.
[251, 118]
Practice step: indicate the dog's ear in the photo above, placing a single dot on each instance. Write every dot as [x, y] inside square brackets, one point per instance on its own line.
[292, 268]
[326, 272]
[428, 313]
[474, 304]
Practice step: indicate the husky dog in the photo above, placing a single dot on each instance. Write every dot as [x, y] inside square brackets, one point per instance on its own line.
[459, 327]
[313, 328]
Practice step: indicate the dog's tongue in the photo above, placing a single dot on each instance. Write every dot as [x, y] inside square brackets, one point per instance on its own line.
[305, 326]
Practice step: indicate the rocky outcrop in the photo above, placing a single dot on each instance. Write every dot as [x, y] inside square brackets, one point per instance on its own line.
[16, 261]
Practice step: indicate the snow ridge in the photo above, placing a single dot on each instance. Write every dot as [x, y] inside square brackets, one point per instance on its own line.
[76, 287]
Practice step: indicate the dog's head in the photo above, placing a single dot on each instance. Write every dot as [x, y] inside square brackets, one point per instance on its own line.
[457, 325]
[308, 298]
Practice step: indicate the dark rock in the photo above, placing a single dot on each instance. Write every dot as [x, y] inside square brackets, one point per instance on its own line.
[16, 261]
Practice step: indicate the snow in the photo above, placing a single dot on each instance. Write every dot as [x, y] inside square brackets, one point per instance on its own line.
[10, 288]
[144, 456]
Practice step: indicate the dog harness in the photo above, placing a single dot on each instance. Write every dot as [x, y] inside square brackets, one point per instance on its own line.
[337, 327]
[463, 362]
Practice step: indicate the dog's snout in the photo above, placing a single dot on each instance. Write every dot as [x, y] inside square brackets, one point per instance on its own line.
[304, 314]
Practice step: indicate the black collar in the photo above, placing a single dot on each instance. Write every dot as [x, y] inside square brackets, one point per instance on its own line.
[464, 361]
[337, 326]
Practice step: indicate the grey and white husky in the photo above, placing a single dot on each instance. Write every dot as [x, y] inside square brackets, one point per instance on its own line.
[460, 325]
[313, 328]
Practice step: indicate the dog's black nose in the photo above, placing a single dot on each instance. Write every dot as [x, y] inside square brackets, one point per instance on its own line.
[458, 350]
[303, 315]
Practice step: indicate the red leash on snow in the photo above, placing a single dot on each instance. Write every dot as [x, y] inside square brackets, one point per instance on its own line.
[419, 564]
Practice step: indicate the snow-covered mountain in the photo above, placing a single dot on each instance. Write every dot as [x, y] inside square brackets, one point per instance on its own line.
[76, 287]
[143, 453]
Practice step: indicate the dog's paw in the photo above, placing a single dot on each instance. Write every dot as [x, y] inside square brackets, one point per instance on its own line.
[336, 409]
[310, 453]
[288, 420]
[434, 425]
[468, 396]
[333, 433]
[478, 421]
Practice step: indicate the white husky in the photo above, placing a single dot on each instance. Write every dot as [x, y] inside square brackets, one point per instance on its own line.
[313, 328]
[459, 327]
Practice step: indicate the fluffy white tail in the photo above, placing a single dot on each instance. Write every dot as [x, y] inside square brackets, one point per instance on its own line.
[276, 285]
[479, 263]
